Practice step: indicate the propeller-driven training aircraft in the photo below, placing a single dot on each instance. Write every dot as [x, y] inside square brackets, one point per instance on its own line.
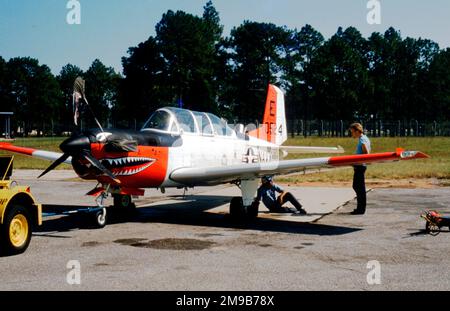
[182, 148]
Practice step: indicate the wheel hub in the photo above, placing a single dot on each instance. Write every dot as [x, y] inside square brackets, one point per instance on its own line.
[18, 230]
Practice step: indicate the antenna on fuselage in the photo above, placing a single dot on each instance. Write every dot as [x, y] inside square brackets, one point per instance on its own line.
[79, 100]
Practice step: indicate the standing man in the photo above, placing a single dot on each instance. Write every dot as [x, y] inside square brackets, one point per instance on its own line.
[359, 183]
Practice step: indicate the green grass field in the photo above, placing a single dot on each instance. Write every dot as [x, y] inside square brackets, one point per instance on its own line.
[437, 167]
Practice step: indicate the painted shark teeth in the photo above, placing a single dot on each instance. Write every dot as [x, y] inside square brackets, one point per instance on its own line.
[127, 160]
[130, 172]
[128, 166]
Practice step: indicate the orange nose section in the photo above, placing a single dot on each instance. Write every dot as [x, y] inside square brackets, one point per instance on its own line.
[145, 168]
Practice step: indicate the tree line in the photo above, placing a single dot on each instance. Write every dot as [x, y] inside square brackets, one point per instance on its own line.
[190, 62]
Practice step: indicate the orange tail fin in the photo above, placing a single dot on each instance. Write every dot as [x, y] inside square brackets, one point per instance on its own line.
[273, 128]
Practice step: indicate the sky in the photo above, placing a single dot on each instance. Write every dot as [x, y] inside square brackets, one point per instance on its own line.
[38, 28]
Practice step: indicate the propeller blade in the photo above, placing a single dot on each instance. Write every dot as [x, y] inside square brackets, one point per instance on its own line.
[96, 163]
[55, 164]
[79, 86]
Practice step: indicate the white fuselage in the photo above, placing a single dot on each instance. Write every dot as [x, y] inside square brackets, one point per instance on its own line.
[202, 151]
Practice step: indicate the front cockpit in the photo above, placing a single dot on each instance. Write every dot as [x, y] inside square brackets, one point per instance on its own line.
[182, 121]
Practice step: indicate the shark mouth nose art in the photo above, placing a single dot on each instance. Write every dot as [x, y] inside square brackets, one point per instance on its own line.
[127, 166]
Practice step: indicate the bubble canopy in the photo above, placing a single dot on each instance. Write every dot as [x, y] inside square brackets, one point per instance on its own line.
[176, 120]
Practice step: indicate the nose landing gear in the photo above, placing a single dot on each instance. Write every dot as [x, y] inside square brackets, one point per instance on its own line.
[100, 215]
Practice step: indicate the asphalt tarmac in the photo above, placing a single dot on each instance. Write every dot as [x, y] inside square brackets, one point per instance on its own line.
[188, 242]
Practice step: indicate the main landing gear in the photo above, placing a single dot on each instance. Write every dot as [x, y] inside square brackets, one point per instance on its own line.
[123, 202]
[244, 208]
[240, 212]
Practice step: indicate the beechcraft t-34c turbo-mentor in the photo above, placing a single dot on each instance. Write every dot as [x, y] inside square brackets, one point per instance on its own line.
[182, 148]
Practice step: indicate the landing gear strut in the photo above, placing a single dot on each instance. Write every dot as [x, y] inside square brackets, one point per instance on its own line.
[244, 208]
[100, 216]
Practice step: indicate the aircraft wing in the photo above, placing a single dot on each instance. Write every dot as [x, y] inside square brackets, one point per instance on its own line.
[41, 154]
[225, 174]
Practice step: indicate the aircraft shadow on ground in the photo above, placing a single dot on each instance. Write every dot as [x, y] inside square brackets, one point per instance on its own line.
[191, 210]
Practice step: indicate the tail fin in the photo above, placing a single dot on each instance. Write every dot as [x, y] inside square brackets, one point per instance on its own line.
[273, 128]
[274, 122]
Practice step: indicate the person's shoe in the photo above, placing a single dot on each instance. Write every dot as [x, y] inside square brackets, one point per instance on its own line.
[281, 211]
[301, 212]
[357, 212]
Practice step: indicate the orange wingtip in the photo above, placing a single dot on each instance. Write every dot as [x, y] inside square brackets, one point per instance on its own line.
[421, 155]
[413, 155]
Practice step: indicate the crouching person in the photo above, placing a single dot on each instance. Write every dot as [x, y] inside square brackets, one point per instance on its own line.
[268, 194]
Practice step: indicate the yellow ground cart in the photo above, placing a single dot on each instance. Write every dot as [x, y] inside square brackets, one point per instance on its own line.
[19, 212]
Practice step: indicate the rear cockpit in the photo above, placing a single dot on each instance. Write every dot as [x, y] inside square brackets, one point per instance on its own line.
[182, 121]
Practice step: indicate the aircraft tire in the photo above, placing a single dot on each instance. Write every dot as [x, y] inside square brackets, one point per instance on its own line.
[237, 210]
[100, 218]
[123, 202]
[252, 210]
